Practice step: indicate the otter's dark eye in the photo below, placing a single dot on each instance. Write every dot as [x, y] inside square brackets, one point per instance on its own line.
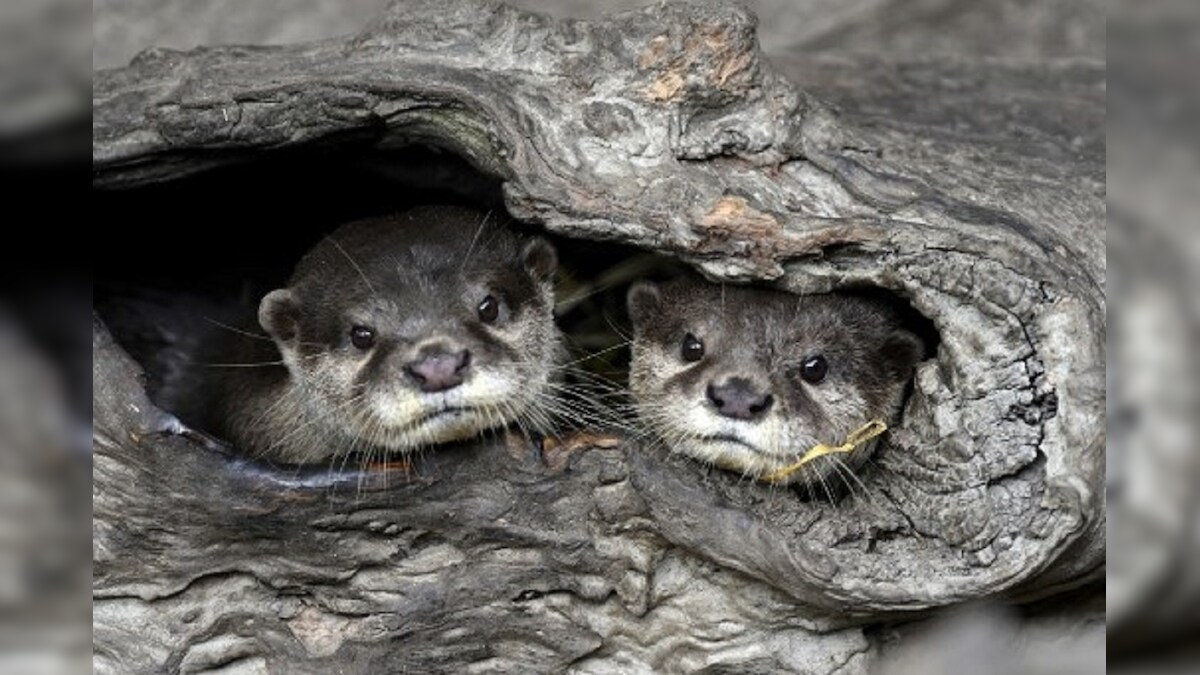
[362, 337]
[489, 309]
[813, 369]
[693, 348]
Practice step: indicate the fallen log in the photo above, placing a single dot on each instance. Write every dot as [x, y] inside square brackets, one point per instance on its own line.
[973, 191]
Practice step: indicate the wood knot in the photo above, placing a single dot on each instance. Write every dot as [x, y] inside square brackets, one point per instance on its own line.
[734, 215]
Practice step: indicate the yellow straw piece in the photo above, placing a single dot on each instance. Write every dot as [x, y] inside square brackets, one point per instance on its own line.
[856, 438]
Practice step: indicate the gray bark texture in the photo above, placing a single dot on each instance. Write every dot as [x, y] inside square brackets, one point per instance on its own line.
[973, 190]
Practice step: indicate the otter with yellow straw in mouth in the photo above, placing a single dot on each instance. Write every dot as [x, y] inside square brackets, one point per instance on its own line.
[780, 387]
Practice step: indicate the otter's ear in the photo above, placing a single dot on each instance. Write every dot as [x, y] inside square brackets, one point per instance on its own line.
[540, 258]
[644, 301]
[900, 352]
[279, 314]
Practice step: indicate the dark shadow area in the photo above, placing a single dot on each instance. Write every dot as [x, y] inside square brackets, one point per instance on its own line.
[253, 221]
[911, 319]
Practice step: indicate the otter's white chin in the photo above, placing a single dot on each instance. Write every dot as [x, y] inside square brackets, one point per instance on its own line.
[434, 428]
[412, 419]
[452, 425]
[755, 448]
[734, 456]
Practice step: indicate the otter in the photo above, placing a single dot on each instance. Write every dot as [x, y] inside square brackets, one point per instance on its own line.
[394, 334]
[751, 379]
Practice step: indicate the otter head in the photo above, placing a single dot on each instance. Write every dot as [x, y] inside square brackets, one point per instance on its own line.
[751, 379]
[419, 329]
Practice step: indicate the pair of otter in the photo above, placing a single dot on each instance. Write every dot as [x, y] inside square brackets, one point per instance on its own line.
[433, 326]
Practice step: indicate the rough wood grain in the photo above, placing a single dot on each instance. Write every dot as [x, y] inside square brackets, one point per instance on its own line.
[974, 190]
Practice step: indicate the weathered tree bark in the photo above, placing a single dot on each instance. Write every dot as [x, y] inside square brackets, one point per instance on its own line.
[973, 191]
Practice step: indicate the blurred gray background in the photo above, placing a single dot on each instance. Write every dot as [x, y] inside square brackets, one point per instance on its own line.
[1005, 28]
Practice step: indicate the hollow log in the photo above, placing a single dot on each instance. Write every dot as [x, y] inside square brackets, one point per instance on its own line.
[975, 191]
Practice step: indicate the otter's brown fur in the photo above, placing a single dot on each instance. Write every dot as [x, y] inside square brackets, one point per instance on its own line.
[394, 334]
[728, 374]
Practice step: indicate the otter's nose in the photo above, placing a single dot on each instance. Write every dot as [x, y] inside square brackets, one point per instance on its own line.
[739, 399]
[439, 371]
